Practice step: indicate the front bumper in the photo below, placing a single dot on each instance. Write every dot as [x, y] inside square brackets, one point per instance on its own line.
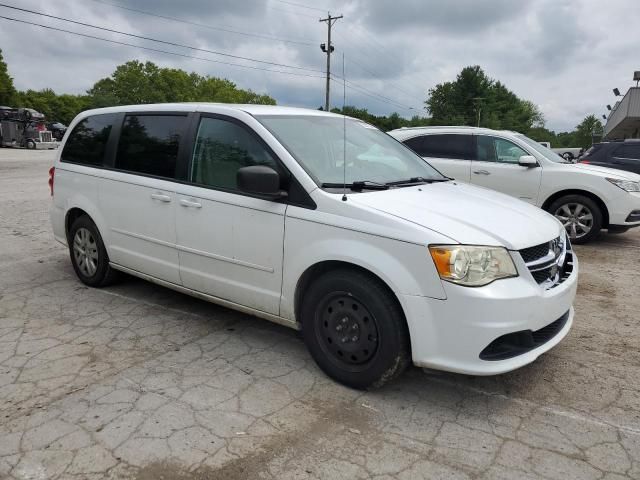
[451, 334]
[624, 210]
[46, 145]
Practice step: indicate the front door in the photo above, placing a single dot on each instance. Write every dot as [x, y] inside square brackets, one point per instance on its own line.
[229, 243]
[495, 166]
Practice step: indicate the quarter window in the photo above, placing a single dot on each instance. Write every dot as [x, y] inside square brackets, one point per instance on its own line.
[494, 149]
[222, 148]
[88, 140]
[455, 146]
[149, 144]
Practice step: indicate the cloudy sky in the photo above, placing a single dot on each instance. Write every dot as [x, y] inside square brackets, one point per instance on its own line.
[564, 55]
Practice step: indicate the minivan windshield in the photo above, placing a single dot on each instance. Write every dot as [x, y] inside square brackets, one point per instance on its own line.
[374, 160]
[542, 150]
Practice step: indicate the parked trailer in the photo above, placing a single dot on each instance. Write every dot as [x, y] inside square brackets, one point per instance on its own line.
[25, 128]
[568, 153]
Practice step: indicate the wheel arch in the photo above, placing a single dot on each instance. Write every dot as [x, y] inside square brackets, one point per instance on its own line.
[319, 268]
[71, 216]
[603, 207]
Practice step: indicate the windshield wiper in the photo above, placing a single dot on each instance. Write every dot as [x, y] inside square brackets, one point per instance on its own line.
[417, 181]
[358, 185]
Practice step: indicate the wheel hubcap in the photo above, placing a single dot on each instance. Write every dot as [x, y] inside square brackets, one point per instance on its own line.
[346, 330]
[85, 252]
[576, 218]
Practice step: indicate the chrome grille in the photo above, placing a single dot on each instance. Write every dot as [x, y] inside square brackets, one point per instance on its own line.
[550, 263]
[45, 136]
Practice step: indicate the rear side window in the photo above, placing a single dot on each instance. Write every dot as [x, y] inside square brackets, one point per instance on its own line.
[149, 144]
[628, 151]
[454, 146]
[88, 140]
[222, 148]
[415, 144]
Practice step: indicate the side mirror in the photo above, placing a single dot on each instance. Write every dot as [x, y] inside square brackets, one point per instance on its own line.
[527, 161]
[260, 180]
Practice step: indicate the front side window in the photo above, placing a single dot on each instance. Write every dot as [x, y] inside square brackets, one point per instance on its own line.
[222, 148]
[494, 149]
[88, 140]
[149, 144]
[334, 150]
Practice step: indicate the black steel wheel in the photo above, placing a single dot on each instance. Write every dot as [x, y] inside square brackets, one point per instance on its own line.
[355, 329]
[346, 330]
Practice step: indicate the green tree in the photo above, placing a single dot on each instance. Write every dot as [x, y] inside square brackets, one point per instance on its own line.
[583, 136]
[136, 83]
[474, 98]
[7, 90]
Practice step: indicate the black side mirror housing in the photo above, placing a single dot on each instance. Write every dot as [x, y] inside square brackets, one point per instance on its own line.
[260, 180]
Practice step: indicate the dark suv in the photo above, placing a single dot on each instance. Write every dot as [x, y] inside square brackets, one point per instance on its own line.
[619, 154]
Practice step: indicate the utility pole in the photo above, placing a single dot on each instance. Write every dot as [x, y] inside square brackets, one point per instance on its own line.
[328, 49]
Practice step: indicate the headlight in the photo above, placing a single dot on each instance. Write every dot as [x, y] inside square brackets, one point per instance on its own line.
[472, 266]
[626, 185]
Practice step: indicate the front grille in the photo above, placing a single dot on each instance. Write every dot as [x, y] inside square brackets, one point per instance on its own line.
[516, 343]
[534, 253]
[45, 136]
[550, 263]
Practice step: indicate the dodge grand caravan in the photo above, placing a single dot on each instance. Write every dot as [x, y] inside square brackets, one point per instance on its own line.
[585, 198]
[318, 222]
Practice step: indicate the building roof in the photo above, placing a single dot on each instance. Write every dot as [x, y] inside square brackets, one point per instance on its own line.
[624, 119]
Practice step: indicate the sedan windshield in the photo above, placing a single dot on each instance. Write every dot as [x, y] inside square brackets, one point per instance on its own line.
[542, 150]
[374, 160]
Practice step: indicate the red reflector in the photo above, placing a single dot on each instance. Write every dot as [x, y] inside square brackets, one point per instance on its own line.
[52, 174]
[584, 161]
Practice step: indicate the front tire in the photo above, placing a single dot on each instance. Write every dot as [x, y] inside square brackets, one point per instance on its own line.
[31, 145]
[88, 254]
[355, 329]
[580, 215]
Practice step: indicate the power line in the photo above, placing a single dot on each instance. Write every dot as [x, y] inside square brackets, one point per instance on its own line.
[372, 94]
[173, 44]
[210, 27]
[301, 5]
[184, 55]
[288, 11]
[387, 82]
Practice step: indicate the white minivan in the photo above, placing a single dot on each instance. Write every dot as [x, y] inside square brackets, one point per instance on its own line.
[317, 222]
[585, 198]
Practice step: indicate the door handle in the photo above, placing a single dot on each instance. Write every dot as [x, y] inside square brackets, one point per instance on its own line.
[190, 203]
[161, 196]
[481, 172]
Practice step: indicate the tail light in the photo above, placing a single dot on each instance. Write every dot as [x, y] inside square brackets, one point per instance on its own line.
[583, 161]
[52, 174]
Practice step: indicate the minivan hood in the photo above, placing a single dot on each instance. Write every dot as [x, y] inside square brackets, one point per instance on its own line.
[467, 214]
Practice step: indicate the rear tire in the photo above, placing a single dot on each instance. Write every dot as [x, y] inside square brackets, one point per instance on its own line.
[355, 329]
[580, 215]
[88, 255]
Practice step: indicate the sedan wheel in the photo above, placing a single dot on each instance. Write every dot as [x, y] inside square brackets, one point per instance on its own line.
[576, 218]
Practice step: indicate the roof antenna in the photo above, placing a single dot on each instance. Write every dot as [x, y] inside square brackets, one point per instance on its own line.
[344, 134]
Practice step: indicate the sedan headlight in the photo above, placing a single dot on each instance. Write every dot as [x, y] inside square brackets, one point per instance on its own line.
[471, 265]
[626, 185]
